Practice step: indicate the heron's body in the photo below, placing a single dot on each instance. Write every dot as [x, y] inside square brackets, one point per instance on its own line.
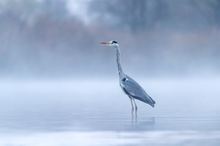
[134, 90]
[128, 85]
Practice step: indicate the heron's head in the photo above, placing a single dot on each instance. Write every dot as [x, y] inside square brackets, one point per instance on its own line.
[110, 43]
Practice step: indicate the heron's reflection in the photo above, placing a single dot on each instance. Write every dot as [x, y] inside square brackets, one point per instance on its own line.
[146, 123]
[134, 116]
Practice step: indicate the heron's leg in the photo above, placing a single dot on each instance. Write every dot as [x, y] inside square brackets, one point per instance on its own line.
[135, 105]
[132, 106]
[135, 110]
[132, 110]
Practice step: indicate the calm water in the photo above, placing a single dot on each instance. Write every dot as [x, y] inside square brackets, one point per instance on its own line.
[97, 113]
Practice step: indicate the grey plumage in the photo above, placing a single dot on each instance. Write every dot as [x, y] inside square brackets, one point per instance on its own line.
[133, 89]
[128, 85]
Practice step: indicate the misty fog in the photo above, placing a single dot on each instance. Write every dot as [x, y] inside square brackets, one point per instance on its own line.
[57, 38]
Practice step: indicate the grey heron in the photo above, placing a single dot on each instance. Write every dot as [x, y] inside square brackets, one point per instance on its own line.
[130, 87]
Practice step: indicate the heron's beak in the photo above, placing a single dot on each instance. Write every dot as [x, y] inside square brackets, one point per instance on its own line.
[105, 43]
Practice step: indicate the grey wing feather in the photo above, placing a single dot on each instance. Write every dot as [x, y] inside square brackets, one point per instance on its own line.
[132, 88]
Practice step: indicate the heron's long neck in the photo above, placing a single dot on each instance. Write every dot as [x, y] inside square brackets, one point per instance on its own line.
[120, 71]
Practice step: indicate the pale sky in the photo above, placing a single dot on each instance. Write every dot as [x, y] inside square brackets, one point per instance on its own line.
[79, 8]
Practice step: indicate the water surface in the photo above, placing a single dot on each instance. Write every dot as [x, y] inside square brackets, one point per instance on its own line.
[92, 112]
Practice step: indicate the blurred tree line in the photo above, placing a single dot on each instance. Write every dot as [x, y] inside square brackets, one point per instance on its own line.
[40, 37]
[139, 15]
[43, 37]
